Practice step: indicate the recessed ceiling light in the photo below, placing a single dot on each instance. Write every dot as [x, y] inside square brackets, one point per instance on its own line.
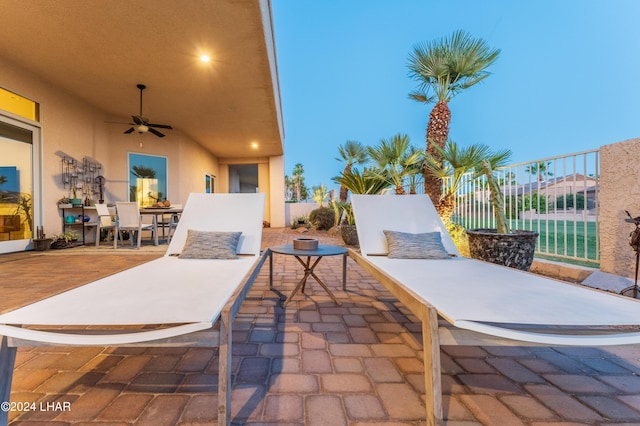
[254, 145]
[205, 58]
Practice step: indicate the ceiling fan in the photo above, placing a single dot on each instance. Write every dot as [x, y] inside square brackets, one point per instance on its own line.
[141, 124]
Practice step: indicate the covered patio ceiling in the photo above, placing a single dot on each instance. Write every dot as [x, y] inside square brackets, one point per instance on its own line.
[100, 50]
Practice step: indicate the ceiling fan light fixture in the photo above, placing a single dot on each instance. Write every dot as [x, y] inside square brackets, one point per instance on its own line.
[141, 124]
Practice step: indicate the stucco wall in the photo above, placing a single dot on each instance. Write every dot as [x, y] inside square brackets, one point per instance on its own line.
[619, 191]
[74, 128]
[270, 181]
[295, 210]
[276, 191]
[187, 163]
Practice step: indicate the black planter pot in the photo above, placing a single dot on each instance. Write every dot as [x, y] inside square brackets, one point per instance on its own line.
[349, 234]
[514, 250]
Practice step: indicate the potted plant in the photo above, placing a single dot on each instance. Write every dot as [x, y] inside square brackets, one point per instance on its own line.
[64, 203]
[348, 229]
[65, 240]
[301, 222]
[75, 201]
[346, 222]
[42, 244]
[367, 182]
[503, 246]
[454, 164]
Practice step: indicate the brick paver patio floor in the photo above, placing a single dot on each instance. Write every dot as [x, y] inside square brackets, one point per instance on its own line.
[313, 363]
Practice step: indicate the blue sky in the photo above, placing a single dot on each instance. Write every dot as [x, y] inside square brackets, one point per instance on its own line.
[567, 79]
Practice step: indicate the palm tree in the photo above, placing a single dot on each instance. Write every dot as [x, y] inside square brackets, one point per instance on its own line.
[288, 188]
[298, 178]
[396, 159]
[443, 69]
[415, 179]
[352, 153]
[456, 162]
[541, 169]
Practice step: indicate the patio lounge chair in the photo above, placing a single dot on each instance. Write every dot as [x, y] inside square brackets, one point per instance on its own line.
[462, 301]
[185, 298]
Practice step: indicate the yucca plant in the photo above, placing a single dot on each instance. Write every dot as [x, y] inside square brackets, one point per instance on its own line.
[320, 194]
[497, 200]
[343, 213]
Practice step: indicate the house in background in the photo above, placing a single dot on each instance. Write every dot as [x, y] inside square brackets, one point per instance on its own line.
[561, 187]
[68, 97]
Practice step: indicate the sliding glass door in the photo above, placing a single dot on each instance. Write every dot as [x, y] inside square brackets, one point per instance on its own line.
[20, 208]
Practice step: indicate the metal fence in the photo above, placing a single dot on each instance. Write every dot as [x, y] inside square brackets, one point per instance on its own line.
[556, 196]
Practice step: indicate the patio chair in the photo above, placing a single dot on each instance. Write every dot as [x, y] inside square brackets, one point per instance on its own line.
[479, 303]
[169, 222]
[128, 218]
[196, 299]
[105, 221]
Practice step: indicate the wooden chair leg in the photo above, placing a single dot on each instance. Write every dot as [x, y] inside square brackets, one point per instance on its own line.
[224, 371]
[432, 370]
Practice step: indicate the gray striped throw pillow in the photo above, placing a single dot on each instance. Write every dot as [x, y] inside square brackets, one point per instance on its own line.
[404, 245]
[210, 245]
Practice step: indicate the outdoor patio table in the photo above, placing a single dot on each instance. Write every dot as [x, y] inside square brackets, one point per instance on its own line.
[322, 251]
[156, 212]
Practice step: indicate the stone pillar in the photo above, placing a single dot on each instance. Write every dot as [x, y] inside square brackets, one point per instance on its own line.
[619, 191]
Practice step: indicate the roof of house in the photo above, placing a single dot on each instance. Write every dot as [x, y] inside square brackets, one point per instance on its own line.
[99, 52]
[547, 184]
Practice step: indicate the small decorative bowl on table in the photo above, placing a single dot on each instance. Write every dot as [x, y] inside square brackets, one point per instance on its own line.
[305, 244]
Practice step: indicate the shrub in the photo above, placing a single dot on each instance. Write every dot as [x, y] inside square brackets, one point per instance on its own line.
[520, 203]
[459, 236]
[572, 201]
[322, 218]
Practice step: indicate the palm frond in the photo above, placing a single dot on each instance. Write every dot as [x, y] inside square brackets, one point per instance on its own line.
[367, 182]
[352, 152]
[457, 161]
[450, 65]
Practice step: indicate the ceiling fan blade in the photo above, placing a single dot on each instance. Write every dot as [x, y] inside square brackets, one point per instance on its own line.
[119, 122]
[160, 126]
[155, 132]
[129, 131]
[137, 119]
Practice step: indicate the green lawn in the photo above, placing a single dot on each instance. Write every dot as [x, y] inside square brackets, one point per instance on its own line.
[565, 238]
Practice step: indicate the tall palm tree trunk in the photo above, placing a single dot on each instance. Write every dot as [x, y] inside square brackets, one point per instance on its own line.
[446, 206]
[400, 190]
[437, 133]
[344, 192]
